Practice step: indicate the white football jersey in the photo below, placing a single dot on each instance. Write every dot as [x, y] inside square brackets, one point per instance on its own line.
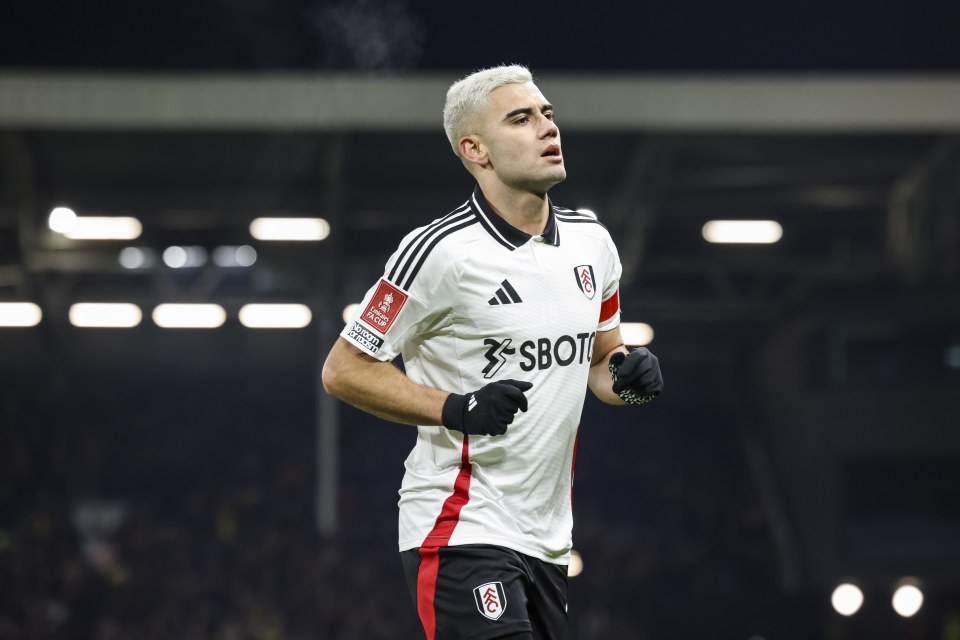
[467, 300]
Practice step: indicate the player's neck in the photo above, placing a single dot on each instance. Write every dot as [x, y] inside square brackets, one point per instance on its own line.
[526, 211]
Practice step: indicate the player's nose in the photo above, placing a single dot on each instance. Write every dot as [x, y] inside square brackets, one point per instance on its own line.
[549, 128]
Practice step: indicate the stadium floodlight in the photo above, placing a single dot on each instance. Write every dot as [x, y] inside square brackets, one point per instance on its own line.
[245, 255]
[19, 314]
[230, 256]
[179, 257]
[636, 334]
[275, 316]
[104, 228]
[349, 310]
[908, 598]
[575, 567]
[847, 599]
[175, 257]
[189, 316]
[105, 314]
[137, 257]
[61, 219]
[742, 231]
[290, 229]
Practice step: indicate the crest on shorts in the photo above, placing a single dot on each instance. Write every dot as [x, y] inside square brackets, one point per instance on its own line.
[585, 280]
[491, 600]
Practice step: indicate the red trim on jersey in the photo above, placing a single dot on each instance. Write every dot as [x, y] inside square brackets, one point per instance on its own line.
[438, 537]
[610, 306]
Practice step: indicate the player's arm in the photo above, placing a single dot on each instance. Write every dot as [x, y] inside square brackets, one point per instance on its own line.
[621, 376]
[379, 387]
[383, 390]
[600, 382]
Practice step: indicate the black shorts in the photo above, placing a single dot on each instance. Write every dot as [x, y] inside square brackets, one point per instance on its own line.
[481, 592]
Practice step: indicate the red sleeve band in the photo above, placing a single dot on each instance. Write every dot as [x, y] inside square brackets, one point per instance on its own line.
[610, 307]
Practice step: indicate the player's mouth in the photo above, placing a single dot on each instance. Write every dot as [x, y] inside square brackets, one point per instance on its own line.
[553, 151]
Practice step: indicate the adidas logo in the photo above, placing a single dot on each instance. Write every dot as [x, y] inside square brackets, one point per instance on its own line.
[506, 294]
[472, 403]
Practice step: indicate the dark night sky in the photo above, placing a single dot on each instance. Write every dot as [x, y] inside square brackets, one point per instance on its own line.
[398, 35]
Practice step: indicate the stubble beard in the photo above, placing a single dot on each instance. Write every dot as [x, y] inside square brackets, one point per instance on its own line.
[542, 183]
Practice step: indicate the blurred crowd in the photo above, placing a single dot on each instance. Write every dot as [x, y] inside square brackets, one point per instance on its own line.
[159, 509]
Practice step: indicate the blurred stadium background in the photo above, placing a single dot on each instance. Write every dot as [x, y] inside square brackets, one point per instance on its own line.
[196, 483]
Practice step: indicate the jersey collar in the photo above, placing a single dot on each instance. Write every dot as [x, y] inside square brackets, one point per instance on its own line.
[505, 233]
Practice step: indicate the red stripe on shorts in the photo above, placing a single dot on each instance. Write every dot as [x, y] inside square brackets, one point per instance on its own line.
[438, 537]
[610, 306]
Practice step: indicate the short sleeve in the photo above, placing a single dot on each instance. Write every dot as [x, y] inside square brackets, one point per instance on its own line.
[390, 314]
[610, 303]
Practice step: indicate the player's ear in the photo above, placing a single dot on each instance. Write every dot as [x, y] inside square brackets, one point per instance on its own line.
[473, 150]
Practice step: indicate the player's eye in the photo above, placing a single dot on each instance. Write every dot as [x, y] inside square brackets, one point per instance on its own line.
[521, 120]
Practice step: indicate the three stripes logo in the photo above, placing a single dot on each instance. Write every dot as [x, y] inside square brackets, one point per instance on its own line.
[472, 402]
[506, 294]
[491, 600]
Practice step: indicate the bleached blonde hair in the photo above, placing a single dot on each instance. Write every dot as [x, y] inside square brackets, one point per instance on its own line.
[467, 97]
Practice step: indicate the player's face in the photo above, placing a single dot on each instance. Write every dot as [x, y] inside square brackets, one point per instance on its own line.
[522, 140]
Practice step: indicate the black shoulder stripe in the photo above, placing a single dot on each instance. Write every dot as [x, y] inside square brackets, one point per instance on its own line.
[566, 213]
[423, 245]
[577, 219]
[464, 207]
[436, 238]
[422, 237]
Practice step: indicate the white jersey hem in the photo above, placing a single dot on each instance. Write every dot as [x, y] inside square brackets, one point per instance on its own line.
[406, 545]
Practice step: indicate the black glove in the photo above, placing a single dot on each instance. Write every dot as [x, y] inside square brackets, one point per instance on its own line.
[487, 410]
[636, 376]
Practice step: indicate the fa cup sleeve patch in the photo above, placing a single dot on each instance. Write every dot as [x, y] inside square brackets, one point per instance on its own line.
[384, 307]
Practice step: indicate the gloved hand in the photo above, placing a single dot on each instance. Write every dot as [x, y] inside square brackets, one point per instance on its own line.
[486, 411]
[636, 376]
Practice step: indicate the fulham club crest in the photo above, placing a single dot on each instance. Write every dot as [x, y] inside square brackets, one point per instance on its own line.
[585, 280]
[491, 600]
